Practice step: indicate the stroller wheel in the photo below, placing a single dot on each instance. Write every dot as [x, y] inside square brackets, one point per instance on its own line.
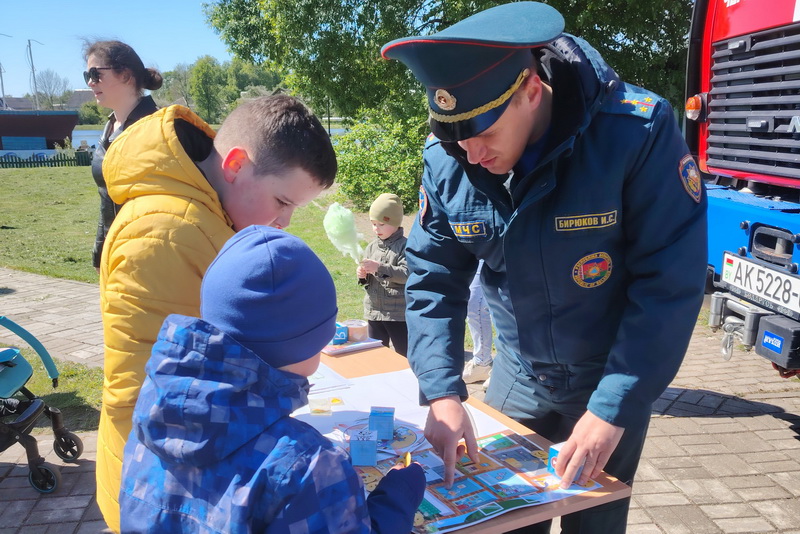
[68, 447]
[45, 478]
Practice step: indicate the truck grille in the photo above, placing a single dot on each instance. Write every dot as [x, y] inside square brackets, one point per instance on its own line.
[754, 103]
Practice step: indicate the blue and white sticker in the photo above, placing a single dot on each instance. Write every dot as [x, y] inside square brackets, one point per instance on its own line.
[690, 177]
[772, 341]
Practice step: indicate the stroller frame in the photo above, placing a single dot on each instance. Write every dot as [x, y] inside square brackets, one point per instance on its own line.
[43, 476]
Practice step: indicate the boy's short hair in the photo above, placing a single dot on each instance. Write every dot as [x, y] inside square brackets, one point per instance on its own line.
[279, 133]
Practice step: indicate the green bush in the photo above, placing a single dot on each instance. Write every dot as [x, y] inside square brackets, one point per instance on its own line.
[91, 113]
[381, 155]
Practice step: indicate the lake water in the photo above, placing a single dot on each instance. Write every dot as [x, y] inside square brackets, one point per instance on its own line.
[90, 136]
[93, 136]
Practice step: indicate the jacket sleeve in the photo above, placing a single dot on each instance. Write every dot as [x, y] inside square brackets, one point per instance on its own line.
[665, 229]
[325, 496]
[440, 271]
[397, 271]
[393, 503]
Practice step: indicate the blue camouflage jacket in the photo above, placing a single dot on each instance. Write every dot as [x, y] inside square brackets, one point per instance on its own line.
[213, 449]
[594, 259]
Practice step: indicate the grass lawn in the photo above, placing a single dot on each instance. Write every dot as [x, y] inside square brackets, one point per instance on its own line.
[90, 126]
[48, 219]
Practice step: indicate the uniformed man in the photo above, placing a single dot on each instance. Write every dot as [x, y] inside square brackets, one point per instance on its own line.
[579, 193]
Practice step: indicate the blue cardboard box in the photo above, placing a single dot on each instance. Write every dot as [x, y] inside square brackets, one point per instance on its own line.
[364, 448]
[381, 420]
[552, 460]
[340, 337]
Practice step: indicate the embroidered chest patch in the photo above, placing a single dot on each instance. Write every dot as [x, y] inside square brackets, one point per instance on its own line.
[469, 229]
[592, 270]
[690, 177]
[585, 222]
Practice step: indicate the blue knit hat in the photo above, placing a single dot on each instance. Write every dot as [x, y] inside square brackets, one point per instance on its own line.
[272, 294]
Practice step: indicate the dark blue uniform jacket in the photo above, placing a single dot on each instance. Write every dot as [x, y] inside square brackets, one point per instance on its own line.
[595, 259]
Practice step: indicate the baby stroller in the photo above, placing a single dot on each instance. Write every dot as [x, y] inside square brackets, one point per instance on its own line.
[15, 372]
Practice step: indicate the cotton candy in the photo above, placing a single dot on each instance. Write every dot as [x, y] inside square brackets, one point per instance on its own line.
[340, 225]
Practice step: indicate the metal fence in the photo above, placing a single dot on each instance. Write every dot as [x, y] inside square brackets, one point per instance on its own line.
[11, 161]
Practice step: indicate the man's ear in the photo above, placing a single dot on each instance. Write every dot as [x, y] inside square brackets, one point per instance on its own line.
[233, 162]
[532, 90]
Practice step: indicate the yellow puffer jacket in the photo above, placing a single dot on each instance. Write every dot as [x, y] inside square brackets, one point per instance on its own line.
[169, 229]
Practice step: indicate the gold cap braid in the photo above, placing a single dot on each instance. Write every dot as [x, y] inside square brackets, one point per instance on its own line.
[484, 108]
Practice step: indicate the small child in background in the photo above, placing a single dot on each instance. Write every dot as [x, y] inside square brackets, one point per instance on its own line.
[213, 447]
[383, 273]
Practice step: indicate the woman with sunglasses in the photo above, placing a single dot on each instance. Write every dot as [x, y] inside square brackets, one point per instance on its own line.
[118, 78]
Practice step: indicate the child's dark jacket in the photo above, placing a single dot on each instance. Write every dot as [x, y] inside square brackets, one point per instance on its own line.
[213, 449]
[385, 299]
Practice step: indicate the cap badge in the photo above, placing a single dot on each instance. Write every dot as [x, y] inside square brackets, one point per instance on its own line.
[445, 100]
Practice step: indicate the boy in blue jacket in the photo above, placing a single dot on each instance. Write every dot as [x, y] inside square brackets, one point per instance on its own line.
[213, 448]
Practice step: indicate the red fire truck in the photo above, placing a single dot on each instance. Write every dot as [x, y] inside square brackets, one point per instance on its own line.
[743, 126]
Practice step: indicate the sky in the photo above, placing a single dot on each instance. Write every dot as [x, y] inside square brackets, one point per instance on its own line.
[164, 33]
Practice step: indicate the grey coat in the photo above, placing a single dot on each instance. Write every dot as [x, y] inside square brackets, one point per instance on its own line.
[385, 299]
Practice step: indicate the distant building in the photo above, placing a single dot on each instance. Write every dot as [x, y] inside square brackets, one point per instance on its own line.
[78, 98]
[19, 103]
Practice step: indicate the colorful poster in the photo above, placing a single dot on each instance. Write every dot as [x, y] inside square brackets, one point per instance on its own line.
[510, 472]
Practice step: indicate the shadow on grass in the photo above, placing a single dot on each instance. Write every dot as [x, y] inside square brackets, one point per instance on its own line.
[78, 415]
[78, 395]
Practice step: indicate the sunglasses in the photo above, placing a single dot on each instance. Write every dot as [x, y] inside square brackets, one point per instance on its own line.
[94, 74]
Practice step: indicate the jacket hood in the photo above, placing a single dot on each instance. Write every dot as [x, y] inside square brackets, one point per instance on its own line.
[149, 158]
[200, 384]
[581, 81]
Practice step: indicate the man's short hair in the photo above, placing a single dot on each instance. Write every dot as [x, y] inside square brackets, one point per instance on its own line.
[279, 133]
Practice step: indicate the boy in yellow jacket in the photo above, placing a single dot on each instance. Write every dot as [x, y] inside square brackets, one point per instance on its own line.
[184, 192]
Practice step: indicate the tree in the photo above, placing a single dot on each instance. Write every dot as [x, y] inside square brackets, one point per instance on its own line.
[206, 81]
[53, 90]
[378, 156]
[330, 48]
[175, 89]
[243, 78]
[91, 113]
[328, 51]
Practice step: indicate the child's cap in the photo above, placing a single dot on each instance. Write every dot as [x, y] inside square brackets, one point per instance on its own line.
[387, 208]
[272, 294]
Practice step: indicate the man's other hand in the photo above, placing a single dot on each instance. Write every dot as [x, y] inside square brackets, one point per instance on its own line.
[592, 440]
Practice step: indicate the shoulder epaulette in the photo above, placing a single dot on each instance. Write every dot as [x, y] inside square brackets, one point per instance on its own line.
[639, 104]
[431, 140]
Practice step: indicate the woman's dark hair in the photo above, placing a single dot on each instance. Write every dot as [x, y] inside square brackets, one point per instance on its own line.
[122, 58]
